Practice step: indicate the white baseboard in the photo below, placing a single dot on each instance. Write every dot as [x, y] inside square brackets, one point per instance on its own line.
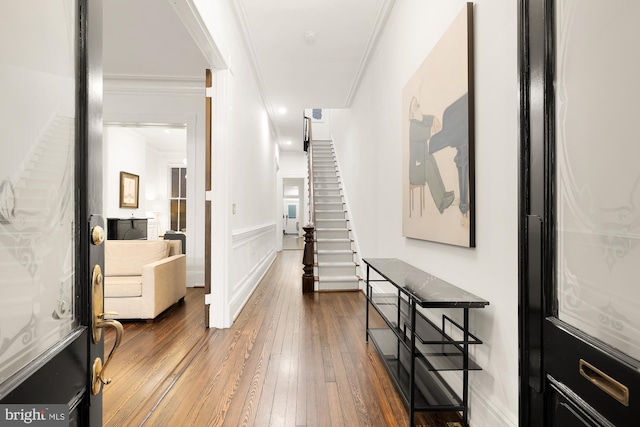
[245, 288]
[483, 411]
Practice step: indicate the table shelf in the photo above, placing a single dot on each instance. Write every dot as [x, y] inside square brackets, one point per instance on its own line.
[413, 347]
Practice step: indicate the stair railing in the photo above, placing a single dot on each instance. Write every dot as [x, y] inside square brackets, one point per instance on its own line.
[308, 143]
[308, 257]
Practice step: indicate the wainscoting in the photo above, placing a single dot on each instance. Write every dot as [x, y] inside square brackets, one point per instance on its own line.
[253, 252]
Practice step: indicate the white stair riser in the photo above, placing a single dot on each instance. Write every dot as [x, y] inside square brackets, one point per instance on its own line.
[330, 215]
[336, 270]
[332, 234]
[328, 199]
[335, 257]
[330, 177]
[329, 206]
[325, 178]
[332, 246]
[337, 286]
[325, 186]
[324, 163]
[323, 223]
[327, 192]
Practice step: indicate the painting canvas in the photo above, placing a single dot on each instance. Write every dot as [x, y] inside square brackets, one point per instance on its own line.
[437, 108]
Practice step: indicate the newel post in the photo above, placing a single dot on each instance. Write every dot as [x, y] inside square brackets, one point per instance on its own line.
[307, 260]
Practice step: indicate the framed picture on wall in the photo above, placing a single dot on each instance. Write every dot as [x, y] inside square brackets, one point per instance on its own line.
[129, 190]
[438, 140]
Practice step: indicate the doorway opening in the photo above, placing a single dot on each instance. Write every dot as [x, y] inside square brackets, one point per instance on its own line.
[292, 213]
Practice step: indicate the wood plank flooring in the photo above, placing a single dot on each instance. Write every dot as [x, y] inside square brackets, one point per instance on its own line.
[289, 360]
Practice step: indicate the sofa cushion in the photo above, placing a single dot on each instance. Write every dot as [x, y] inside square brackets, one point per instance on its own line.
[126, 257]
[123, 286]
[175, 247]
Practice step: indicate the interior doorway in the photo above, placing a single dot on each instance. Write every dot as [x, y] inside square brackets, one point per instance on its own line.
[159, 154]
[293, 215]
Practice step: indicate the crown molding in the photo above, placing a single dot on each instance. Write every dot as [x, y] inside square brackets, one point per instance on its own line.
[196, 27]
[241, 17]
[374, 36]
[153, 84]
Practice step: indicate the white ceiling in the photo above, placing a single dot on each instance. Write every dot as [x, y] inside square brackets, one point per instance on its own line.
[293, 73]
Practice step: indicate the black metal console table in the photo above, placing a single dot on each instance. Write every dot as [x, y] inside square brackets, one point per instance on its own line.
[415, 349]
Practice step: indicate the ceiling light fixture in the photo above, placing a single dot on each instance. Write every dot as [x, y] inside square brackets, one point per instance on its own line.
[310, 36]
[288, 142]
[282, 110]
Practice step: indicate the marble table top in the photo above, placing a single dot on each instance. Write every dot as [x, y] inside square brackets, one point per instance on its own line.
[427, 289]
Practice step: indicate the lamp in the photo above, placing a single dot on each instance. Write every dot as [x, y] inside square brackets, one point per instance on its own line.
[156, 207]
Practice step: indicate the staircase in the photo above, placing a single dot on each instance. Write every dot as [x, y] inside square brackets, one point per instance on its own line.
[335, 267]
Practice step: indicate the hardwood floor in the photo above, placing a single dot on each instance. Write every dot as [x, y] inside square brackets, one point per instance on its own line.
[292, 242]
[289, 360]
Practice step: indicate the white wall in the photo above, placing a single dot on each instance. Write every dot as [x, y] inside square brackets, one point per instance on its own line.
[368, 143]
[321, 128]
[293, 164]
[124, 152]
[244, 173]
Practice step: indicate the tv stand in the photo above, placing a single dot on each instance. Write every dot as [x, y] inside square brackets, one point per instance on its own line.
[413, 347]
[126, 228]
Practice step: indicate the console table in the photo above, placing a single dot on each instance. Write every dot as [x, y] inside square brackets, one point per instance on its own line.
[413, 347]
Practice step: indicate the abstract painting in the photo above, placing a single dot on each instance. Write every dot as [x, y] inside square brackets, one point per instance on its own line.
[438, 156]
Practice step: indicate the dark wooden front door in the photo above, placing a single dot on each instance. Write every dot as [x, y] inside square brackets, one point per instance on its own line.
[579, 213]
[50, 201]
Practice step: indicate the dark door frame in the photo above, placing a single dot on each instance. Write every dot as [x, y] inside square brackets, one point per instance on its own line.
[548, 368]
[533, 215]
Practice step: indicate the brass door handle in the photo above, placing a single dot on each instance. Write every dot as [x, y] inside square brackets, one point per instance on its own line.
[604, 382]
[98, 367]
[98, 322]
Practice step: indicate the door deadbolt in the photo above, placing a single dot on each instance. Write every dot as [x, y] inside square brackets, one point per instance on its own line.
[97, 235]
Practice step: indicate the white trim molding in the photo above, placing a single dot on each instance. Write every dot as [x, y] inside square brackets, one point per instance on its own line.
[241, 17]
[195, 25]
[244, 236]
[151, 84]
[253, 252]
[483, 410]
[374, 36]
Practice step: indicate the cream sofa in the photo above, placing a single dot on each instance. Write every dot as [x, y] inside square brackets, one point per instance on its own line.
[142, 278]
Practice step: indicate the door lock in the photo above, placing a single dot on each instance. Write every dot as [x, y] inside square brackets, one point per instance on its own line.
[98, 322]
